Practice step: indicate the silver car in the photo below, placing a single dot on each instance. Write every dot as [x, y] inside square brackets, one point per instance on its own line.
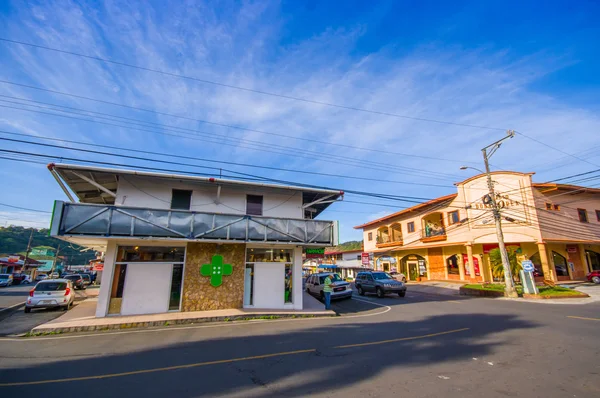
[341, 288]
[6, 279]
[51, 293]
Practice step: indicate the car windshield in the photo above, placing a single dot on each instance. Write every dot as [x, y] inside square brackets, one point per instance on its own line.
[3, 276]
[334, 278]
[72, 277]
[85, 276]
[50, 286]
[381, 275]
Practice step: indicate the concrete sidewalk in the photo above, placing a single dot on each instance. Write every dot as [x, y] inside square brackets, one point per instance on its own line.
[81, 317]
[435, 287]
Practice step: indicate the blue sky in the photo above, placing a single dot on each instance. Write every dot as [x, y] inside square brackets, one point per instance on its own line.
[514, 65]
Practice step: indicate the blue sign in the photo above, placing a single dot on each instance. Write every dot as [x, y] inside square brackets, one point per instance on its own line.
[527, 265]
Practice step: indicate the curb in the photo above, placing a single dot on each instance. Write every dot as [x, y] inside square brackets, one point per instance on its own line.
[136, 325]
[539, 297]
[465, 291]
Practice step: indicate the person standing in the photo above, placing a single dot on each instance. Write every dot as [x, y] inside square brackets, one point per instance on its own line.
[327, 289]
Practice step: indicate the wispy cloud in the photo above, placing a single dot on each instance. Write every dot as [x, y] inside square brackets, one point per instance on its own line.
[243, 46]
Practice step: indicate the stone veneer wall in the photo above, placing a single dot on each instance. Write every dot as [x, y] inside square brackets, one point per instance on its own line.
[198, 294]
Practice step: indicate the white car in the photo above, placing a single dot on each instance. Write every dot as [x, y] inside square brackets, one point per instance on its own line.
[6, 279]
[315, 283]
[398, 276]
[51, 293]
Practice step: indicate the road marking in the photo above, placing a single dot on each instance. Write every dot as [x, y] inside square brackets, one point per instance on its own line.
[425, 336]
[137, 372]
[12, 306]
[584, 318]
[217, 362]
[215, 325]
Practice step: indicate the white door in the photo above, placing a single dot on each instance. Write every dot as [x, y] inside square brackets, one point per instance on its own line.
[147, 288]
[269, 285]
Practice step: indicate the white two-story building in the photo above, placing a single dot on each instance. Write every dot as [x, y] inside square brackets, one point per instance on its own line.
[188, 243]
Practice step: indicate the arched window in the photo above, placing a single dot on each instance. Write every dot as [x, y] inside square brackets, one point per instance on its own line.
[383, 235]
[452, 264]
[593, 260]
[560, 264]
[396, 231]
[537, 263]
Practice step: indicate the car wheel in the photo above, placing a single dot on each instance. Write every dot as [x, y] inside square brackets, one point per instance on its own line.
[27, 310]
[380, 292]
[361, 291]
[401, 294]
[596, 279]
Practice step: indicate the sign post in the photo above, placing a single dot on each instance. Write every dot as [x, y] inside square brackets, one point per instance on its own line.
[529, 286]
[365, 259]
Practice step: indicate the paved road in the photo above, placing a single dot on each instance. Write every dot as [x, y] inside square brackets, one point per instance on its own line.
[12, 318]
[419, 346]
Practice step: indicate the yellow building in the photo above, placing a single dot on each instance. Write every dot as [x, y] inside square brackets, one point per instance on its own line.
[556, 226]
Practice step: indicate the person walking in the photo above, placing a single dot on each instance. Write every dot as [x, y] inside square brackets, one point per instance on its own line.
[327, 289]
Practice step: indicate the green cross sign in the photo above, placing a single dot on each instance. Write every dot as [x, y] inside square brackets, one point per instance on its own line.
[216, 269]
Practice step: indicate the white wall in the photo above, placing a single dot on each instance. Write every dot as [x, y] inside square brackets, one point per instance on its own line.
[146, 290]
[156, 193]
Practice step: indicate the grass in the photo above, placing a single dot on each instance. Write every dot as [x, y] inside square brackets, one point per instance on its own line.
[544, 290]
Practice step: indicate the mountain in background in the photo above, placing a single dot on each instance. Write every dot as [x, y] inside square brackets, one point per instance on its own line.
[14, 239]
[347, 246]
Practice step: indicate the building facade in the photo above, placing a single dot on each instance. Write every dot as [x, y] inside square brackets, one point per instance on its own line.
[186, 243]
[556, 226]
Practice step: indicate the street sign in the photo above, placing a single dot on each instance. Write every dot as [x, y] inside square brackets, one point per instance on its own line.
[527, 265]
[365, 258]
[318, 252]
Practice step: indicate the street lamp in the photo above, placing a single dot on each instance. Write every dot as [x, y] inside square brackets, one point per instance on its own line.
[474, 168]
[488, 151]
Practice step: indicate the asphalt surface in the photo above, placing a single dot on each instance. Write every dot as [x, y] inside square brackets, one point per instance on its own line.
[422, 345]
[14, 321]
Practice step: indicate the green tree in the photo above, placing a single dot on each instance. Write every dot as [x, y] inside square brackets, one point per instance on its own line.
[496, 262]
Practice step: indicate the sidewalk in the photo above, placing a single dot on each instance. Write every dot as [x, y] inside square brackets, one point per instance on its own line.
[435, 287]
[81, 318]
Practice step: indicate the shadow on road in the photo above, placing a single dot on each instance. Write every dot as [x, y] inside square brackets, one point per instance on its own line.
[298, 375]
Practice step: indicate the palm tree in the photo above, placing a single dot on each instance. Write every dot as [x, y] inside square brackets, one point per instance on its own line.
[498, 269]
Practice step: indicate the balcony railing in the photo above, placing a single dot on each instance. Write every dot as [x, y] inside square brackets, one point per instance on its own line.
[77, 219]
[387, 241]
[433, 235]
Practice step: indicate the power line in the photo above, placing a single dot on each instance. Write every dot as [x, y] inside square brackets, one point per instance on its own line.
[306, 100]
[227, 162]
[556, 149]
[263, 147]
[24, 208]
[303, 139]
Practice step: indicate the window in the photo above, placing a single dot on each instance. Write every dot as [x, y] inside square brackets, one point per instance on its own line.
[359, 257]
[598, 215]
[254, 205]
[453, 217]
[452, 264]
[176, 278]
[181, 199]
[560, 264]
[556, 207]
[583, 217]
[411, 226]
[370, 236]
[550, 206]
[288, 284]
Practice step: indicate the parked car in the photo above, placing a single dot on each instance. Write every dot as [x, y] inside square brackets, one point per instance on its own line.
[77, 280]
[87, 279]
[51, 293]
[378, 282]
[21, 279]
[341, 289]
[594, 276]
[40, 277]
[398, 276]
[349, 279]
[54, 275]
[93, 275]
[6, 280]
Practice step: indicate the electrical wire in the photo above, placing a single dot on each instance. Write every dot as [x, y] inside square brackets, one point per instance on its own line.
[306, 100]
[303, 139]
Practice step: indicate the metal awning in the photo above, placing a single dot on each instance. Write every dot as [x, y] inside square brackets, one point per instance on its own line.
[98, 185]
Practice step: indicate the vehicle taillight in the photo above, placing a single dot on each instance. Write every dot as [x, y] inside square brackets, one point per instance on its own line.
[31, 292]
[67, 291]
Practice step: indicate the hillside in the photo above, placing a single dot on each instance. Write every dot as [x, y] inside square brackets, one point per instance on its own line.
[347, 246]
[14, 240]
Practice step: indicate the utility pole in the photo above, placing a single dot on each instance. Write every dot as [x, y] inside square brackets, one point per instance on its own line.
[28, 250]
[55, 259]
[509, 288]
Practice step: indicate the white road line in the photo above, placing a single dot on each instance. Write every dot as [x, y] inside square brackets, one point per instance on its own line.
[220, 324]
[12, 306]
